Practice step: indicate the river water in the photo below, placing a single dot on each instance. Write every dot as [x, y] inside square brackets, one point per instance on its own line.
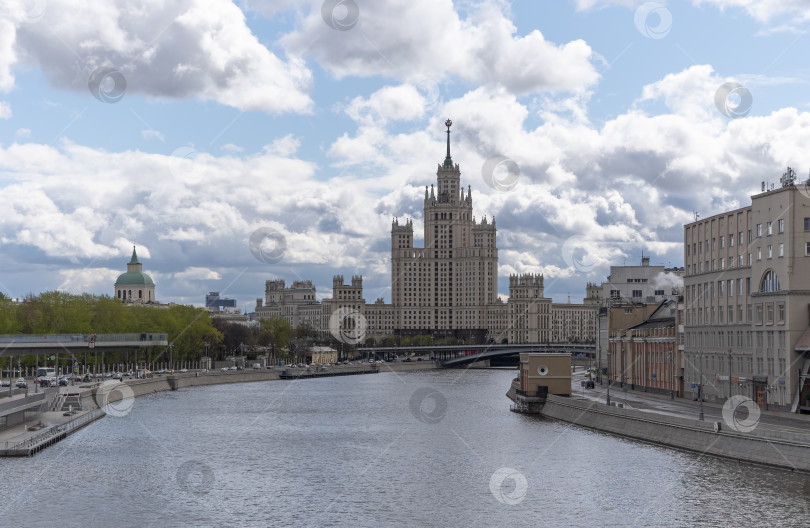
[432, 448]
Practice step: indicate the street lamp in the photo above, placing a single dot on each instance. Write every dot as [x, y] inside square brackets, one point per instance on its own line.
[671, 376]
[729, 373]
[700, 387]
[607, 399]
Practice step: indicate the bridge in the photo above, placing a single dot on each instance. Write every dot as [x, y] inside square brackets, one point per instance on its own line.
[29, 344]
[501, 355]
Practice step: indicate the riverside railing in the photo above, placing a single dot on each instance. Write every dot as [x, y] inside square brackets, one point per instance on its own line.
[81, 338]
[52, 432]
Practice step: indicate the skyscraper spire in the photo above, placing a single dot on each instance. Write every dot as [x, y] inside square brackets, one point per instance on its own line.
[448, 161]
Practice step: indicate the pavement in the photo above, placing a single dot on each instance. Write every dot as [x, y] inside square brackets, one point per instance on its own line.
[30, 428]
[771, 420]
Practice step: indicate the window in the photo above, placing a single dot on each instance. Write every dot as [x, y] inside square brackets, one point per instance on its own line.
[739, 314]
[659, 292]
[807, 248]
[722, 242]
[731, 288]
[636, 293]
[749, 259]
[750, 237]
[769, 313]
[720, 288]
[615, 294]
[781, 249]
[770, 251]
[739, 286]
[780, 313]
[807, 224]
[759, 230]
[759, 253]
[780, 225]
[759, 315]
[769, 228]
[740, 241]
[770, 282]
[731, 240]
[730, 313]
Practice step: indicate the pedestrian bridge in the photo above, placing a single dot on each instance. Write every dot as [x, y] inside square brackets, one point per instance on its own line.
[28, 344]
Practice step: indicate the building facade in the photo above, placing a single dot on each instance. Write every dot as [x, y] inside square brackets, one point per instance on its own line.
[449, 287]
[747, 290]
[297, 304]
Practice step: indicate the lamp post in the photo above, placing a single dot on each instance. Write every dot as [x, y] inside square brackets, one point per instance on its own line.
[671, 375]
[171, 362]
[700, 387]
[729, 373]
[607, 398]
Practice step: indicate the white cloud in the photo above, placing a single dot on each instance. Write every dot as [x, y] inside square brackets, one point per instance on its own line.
[163, 48]
[230, 147]
[152, 134]
[81, 280]
[401, 37]
[197, 273]
[766, 10]
[22, 133]
[5, 110]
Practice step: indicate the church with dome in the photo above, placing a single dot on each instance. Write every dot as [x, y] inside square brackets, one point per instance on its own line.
[135, 286]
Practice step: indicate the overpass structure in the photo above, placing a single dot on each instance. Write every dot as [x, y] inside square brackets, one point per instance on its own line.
[30, 344]
[461, 355]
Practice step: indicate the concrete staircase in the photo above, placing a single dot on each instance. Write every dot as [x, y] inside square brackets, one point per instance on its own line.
[74, 402]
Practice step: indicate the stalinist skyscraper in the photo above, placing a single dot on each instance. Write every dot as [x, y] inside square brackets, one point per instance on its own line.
[448, 288]
[448, 284]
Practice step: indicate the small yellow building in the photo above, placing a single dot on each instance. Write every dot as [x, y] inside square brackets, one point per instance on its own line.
[540, 374]
[323, 355]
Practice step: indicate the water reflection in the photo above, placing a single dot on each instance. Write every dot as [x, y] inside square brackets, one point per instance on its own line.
[416, 449]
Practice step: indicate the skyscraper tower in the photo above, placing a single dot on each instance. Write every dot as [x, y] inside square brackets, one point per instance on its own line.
[448, 284]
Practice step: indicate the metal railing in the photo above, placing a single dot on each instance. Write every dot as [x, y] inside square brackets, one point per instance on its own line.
[54, 431]
[81, 338]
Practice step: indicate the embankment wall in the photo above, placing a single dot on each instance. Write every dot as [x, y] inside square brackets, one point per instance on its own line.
[774, 448]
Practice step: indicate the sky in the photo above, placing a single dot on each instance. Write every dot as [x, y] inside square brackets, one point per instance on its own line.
[233, 142]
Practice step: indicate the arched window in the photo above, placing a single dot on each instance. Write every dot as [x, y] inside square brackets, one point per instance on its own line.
[770, 282]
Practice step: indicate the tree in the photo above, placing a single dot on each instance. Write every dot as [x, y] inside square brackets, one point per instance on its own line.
[275, 332]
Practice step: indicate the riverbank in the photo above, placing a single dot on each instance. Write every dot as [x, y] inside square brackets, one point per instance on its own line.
[782, 447]
[74, 407]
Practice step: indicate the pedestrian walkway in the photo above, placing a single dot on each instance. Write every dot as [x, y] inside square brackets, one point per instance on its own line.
[654, 402]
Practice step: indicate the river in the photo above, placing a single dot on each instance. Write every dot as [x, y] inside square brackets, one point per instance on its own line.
[428, 448]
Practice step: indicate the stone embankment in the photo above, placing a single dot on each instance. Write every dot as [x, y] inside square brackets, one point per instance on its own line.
[780, 448]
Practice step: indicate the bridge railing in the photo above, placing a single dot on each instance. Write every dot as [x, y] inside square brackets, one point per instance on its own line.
[81, 338]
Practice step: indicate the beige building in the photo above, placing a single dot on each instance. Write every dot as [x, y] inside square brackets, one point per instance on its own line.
[297, 304]
[448, 288]
[747, 290]
[647, 355]
[539, 375]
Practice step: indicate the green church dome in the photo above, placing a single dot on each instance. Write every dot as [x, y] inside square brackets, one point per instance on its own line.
[135, 278]
[134, 275]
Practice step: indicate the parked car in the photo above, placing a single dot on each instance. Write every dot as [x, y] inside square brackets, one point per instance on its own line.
[63, 382]
[233, 368]
[224, 369]
[21, 384]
